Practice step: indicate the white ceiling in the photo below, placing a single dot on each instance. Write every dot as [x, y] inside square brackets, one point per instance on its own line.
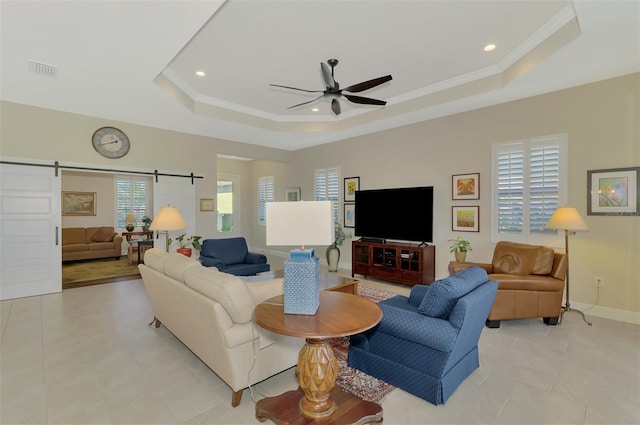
[135, 61]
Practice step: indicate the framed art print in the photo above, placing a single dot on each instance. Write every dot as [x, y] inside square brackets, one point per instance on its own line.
[465, 186]
[292, 194]
[350, 215]
[465, 219]
[78, 203]
[613, 191]
[206, 204]
[351, 185]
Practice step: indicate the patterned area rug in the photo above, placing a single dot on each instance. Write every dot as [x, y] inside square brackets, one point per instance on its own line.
[89, 270]
[352, 380]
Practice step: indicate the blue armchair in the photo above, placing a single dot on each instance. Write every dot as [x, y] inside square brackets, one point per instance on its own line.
[427, 343]
[231, 255]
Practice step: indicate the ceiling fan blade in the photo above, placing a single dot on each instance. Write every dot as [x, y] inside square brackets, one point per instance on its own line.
[335, 106]
[304, 103]
[364, 100]
[295, 88]
[356, 88]
[326, 76]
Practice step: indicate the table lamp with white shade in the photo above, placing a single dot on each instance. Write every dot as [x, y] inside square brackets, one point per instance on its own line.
[130, 219]
[301, 224]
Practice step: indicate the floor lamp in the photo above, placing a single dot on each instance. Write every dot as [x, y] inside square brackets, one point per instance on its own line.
[569, 220]
[168, 218]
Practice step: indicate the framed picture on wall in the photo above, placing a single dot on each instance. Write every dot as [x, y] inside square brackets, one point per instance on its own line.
[206, 204]
[79, 203]
[351, 185]
[292, 194]
[465, 219]
[613, 191]
[350, 215]
[465, 186]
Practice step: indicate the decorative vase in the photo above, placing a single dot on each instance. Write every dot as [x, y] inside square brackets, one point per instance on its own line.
[460, 256]
[333, 257]
[184, 251]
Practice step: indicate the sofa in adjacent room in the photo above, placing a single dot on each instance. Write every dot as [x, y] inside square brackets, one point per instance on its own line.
[211, 312]
[231, 255]
[427, 343]
[87, 243]
[530, 282]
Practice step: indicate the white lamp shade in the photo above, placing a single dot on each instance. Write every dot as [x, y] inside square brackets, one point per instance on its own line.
[168, 218]
[300, 223]
[566, 218]
[130, 218]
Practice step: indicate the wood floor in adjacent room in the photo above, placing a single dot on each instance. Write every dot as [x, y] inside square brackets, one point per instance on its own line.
[87, 356]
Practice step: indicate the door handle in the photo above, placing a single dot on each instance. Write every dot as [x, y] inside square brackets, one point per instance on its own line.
[57, 230]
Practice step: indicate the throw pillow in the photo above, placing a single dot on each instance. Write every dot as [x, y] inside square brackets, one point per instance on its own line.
[443, 294]
[103, 235]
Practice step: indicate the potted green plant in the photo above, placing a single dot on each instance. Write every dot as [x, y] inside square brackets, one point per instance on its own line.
[147, 222]
[183, 240]
[460, 247]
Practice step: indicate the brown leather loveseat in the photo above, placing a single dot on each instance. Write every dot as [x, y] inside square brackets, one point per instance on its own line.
[530, 282]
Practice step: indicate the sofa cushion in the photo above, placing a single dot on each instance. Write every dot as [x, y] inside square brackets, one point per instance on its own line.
[91, 231]
[522, 259]
[443, 294]
[103, 235]
[228, 290]
[155, 258]
[175, 265]
[228, 251]
[73, 236]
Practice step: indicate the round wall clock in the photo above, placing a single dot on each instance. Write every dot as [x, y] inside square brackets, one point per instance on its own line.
[111, 142]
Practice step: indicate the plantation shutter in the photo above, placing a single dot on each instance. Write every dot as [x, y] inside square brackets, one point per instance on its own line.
[327, 188]
[529, 181]
[266, 193]
[133, 195]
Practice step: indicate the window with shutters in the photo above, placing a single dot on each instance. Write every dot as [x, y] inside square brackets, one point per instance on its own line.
[529, 183]
[327, 188]
[266, 193]
[134, 195]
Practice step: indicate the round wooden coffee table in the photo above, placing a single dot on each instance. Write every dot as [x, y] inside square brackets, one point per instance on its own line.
[338, 314]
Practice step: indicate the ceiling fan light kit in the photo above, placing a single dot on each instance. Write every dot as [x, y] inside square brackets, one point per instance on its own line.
[334, 92]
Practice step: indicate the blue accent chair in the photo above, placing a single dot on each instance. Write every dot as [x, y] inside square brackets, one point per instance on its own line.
[427, 343]
[231, 255]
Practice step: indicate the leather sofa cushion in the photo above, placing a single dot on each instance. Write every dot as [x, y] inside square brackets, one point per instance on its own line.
[443, 294]
[528, 283]
[228, 251]
[522, 259]
[99, 246]
[76, 247]
[228, 290]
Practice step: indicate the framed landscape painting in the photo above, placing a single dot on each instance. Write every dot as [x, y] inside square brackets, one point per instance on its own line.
[613, 191]
[465, 219]
[78, 203]
[465, 186]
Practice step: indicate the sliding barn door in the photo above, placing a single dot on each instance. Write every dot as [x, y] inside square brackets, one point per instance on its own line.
[180, 193]
[30, 253]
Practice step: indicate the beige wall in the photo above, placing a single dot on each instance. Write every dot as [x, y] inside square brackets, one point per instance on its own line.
[601, 121]
[602, 124]
[102, 185]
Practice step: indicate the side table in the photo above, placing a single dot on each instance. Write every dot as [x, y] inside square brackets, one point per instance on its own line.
[317, 398]
[143, 245]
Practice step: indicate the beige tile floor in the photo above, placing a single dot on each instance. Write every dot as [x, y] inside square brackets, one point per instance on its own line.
[88, 356]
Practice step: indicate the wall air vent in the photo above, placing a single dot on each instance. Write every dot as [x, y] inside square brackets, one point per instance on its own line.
[42, 69]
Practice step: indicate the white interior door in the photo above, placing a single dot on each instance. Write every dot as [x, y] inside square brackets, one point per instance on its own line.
[180, 193]
[30, 220]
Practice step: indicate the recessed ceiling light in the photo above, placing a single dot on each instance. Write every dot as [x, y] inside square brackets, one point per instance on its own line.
[489, 47]
[314, 109]
[200, 73]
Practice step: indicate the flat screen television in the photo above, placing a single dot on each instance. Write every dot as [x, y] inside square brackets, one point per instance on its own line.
[403, 214]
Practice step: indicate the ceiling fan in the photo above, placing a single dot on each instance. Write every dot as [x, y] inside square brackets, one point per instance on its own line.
[333, 90]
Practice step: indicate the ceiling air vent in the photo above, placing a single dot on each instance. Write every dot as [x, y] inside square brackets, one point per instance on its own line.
[42, 69]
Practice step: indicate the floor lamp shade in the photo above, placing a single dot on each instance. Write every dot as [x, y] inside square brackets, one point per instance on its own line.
[167, 219]
[300, 223]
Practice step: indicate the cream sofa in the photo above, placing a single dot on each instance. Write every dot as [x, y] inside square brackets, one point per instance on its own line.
[212, 314]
